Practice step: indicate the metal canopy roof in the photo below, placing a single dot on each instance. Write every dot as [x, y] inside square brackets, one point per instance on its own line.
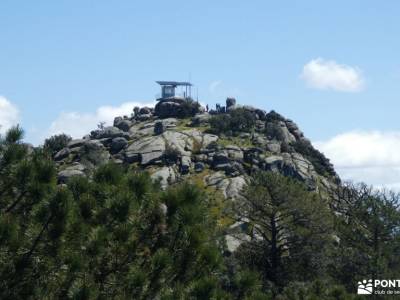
[174, 83]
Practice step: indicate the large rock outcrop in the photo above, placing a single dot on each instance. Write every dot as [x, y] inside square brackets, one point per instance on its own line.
[171, 148]
[177, 107]
[163, 142]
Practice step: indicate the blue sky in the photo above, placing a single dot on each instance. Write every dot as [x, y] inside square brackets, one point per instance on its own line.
[334, 68]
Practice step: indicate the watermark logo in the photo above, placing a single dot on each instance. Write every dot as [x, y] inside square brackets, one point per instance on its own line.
[378, 287]
[365, 287]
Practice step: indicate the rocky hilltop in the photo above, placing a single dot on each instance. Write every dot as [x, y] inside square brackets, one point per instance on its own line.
[178, 139]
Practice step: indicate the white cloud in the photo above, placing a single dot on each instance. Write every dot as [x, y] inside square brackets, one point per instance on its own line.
[369, 156]
[78, 124]
[9, 114]
[329, 75]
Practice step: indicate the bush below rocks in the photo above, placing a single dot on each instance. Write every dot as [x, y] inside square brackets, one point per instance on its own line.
[171, 155]
[237, 120]
[159, 128]
[56, 142]
[320, 162]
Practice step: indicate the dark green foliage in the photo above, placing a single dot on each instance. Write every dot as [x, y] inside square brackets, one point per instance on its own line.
[171, 155]
[369, 235]
[221, 124]
[117, 235]
[274, 131]
[291, 229]
[108, 174]
[109, 237]
[32, 210]
[247, 284]
[188, 108]
[57, 142]
[315, 290]
[237, 120]
[319, 161]
[133, 245]
[273, 116]
[14, 135]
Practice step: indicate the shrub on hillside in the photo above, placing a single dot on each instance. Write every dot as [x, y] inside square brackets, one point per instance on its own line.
[188, 109]
[56, 142]
[237, 120]
[118, 235]
[92, 238]
[319, 161]
[273, 116]
[291, 224]
[274, 131]
[171, 155]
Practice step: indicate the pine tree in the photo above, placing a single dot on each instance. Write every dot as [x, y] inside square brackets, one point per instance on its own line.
[116, 235]
[32, 212]
[56, 142]
[368, 232]
[289, 229]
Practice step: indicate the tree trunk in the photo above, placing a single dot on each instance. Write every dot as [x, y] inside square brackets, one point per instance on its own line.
[274, 256]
